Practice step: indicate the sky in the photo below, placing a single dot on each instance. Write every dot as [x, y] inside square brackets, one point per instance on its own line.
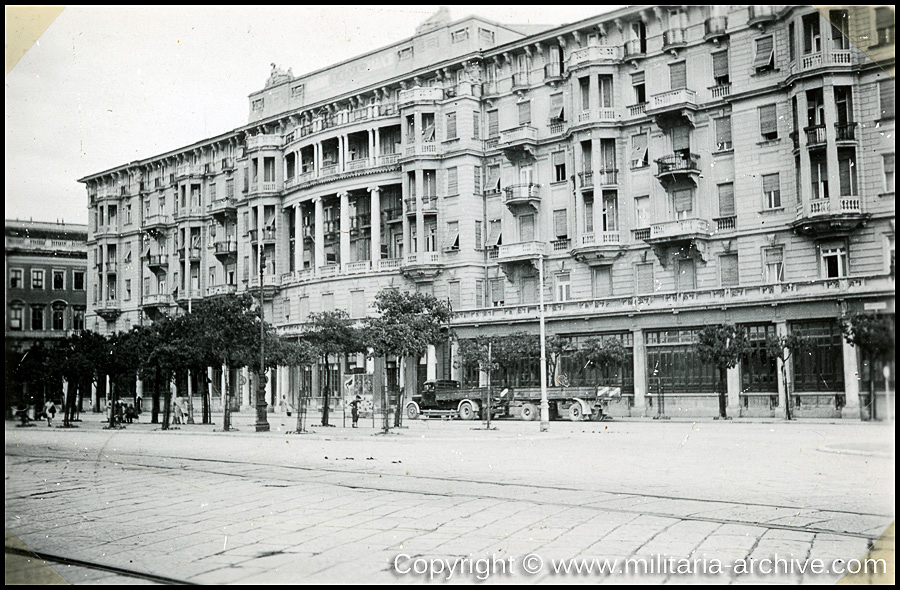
[105, 86]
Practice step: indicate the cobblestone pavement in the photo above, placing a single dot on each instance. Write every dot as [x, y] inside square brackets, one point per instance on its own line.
[340, 505]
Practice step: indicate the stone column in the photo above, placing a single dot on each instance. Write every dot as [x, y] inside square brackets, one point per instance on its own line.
[431, 362]
[376, 146]
[640, 374]
[345, 228]
[598, 194]
[319, 238]
[370, 138]
[375, 207]
[342, 149]
[420, 213]
[831, 152]
[733, 382]
[851, 382]
[317, 158]
[594, 91]
[298, 238]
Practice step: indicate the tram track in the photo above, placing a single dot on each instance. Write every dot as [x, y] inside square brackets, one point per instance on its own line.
[283, 473]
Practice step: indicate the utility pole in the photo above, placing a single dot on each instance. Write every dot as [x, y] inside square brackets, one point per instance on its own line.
[190, 392]
[262, 423]
[545, 405]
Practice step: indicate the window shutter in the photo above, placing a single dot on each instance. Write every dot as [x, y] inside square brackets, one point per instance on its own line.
[479, 293]
[678, 75]
[601, 285]
[493, 124]
[478, 237]
[452, 181]
[608, 154]
[493, 179]
[774, 255]
[644, 274]
[497, 294]
[524, 113]
[476, 125]
[681, 138]
[770, 183]
[723, 133]
[561, 223]
[477, 176]
[768, 122]
[495, 233]
[686, 280]
[728, 270]
[559, 158]
[684, 201]
[886, 92]
[606, 87]
[526, 228]
[637, 78]
[556, 107]
[764, 52]
[726, 200]
[451, 125]
[639, 150]
[720, 64]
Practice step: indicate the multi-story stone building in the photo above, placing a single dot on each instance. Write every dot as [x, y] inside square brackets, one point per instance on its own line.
[46, 279]
[666, 168]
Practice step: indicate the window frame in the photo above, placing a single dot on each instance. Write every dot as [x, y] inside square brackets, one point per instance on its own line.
[37, 272]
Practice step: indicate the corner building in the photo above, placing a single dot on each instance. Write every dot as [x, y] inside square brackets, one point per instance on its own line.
[669, 167]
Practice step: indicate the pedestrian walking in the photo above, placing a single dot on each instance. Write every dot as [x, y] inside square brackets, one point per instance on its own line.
[354, 410]
[179, 413]
[49, 411]
[130, 414]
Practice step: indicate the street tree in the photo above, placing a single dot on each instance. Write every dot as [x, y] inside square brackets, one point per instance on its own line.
[783, 348]
[873, 335]
[723, 346]
[332, 334]
[294, 353]
[406, 324]
[604, 354]
[227, 335]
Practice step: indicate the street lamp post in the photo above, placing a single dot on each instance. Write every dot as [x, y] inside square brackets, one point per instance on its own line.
[190, 392]
[262, 423]
[545, 405]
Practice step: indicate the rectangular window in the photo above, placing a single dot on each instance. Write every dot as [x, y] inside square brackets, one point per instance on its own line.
[15, 278]
[685, 279]
[720, 68]
[886, 98]
[477, 179]
[451, 242]
[887, 163]
[723, 134]
[476, 125]
[452, 181]
[606, 91]
[479, 235]
[773, 261]
[78, 280]
[792, 42]
[728, 270]
[485, 36]
[453, 291]
[127, 289]
[644, 278]
[639, 87]
[77, 319]
[37, 279]
[847, 172]
[459, 36]
[524, 113]
[771, 191]
[683, 203]
[497, 292]
[561, 224]
[59, 280]
[678, 75]
[834, 262]
[765, 54]
[588, 216]
[37, 317]
[327, 301]
[884, 26]
[726, 200]
[358, 304]
[559, 166]
[840, 29]
[58, 319]
[493, 179]
[563, 287]
[451, 126]
[495, 233]
[405, 53]
[557, 110]
[642, 212]
[493, 124]
[15, 318]
[601, 281]
[768, 122]
[639, 151]
[479, 293]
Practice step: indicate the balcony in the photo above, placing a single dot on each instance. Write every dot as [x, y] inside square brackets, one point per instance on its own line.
[597, 247]
[157, 261]
[760, 16]
[392, 214]
[593, 54]
[815, 136]
[553, 72]
[218, 290]
[845, 132]
[389, 159]
[637, 110]
[357, 165]
[518, 141]
[721, 91]
[429, 205]
[226, 248]
[726, 224]
[424, 148]
[635, 48]
[155, 222]
[421, 266]
[419, 95]
[678, 166]
[829, 217]
[520, 81]
[112, 267]
[642, 233]
[271, 284]
[358, 267]
[604, 115]
[222, 207]
[515, 259]
[586, 179]
[109, 310]
[105, 231]
[268, 235]
[522, 194]
[813, 61]
[673, 39]
[681, 234]
[157, 300]
[388, 264]
[714, 29]
[560, 245]
[672, 100]
[607, 178]
[264, 141]
[557, 127]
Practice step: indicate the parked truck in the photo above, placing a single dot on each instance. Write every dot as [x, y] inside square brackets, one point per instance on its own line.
[446, 399]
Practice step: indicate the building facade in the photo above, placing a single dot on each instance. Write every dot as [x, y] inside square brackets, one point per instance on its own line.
[46, 293]
[644, 172]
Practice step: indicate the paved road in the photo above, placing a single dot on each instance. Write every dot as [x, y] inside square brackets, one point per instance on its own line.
[340, 505]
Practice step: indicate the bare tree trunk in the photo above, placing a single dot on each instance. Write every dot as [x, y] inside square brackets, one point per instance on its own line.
[226, 395]
[326, 394]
